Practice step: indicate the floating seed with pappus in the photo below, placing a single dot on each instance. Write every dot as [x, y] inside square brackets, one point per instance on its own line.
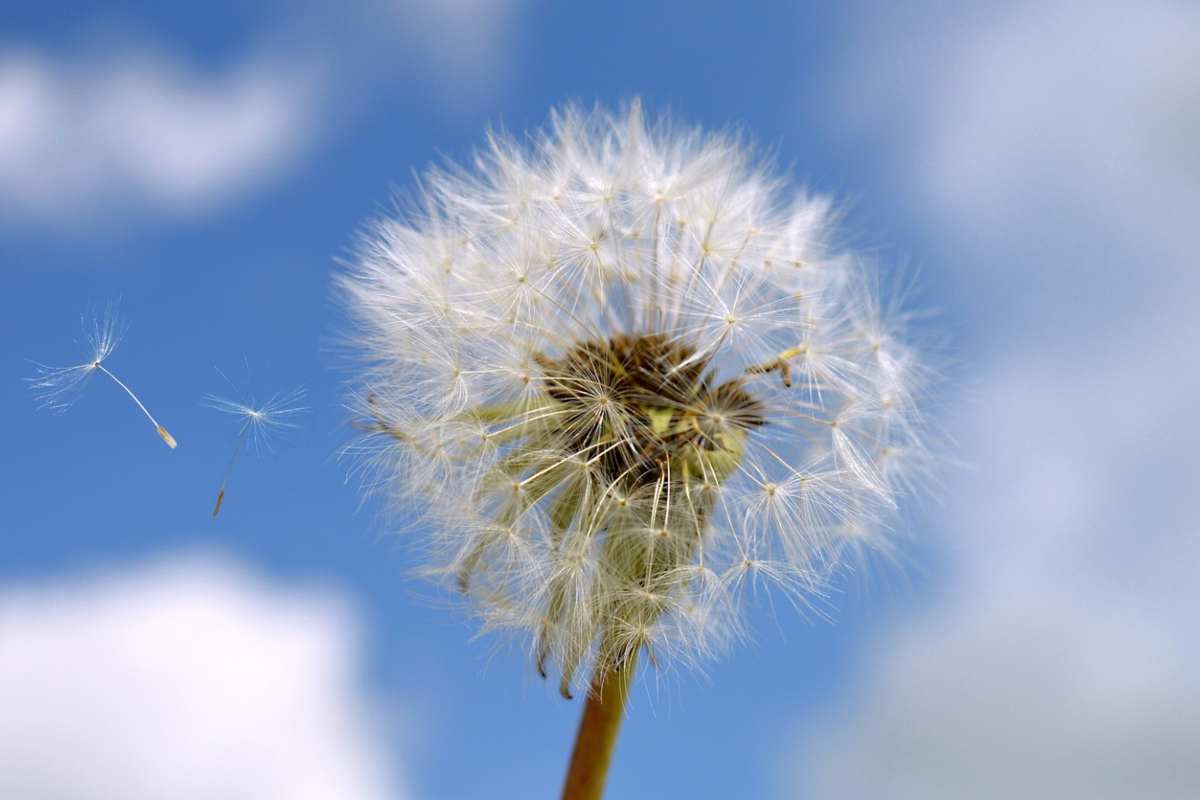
[258, 422]
[58, 387]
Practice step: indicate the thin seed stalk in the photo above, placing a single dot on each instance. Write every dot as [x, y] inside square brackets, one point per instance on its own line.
[597, 736]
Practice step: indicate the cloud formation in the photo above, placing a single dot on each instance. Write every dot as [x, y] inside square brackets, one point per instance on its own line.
[468, 44]
[1068, 121]
[1052, 698]
[142, 129]
[188, 678]
[1083, 308]
[1053, 143]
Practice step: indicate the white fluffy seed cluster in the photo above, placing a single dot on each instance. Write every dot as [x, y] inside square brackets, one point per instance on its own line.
[626, 381]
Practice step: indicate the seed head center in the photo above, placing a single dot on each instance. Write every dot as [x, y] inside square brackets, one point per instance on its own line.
[664, 408]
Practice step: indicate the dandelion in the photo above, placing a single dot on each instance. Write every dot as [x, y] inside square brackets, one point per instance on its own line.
[631, 385]
[57, 388]
[259, 422]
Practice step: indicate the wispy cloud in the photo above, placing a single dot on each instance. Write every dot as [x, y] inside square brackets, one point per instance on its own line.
[466, 46]
[139, 128]
[1053, 141]
[142, 129]
[1068, 120]
[1051, 697]
[188, 678]
[1052, 145]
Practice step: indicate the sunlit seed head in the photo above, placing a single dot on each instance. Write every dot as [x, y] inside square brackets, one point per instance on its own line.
[660, 377]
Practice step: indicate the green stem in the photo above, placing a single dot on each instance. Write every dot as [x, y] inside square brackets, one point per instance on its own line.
[597, 736]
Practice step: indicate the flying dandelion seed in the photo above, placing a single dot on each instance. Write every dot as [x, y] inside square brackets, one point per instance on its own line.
[630, 384]
[57, 388]
[259, 423]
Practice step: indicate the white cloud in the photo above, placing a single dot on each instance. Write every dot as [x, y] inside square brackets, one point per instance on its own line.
[140, 129]
[1054, 144]
[1064, 659]
[137, 128]
[1055, 697]
[1072, 122]
[467, 43]
[190, 678]
[1084, 456]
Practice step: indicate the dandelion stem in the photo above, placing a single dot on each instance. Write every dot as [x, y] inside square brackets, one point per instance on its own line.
[159, 429]
[597, 736]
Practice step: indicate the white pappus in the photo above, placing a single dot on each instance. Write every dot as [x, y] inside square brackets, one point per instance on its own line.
[626, 378]
[57, 388]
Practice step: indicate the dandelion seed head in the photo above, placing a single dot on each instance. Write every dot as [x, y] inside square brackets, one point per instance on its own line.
[631, 383]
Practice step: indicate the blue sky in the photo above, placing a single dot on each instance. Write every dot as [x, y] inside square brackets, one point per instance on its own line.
[209, 165]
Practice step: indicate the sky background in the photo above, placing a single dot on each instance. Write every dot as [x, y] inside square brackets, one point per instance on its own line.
[1033, 165]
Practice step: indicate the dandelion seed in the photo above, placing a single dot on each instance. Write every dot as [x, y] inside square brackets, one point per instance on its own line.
[57, 388]
[629, 385]
[259, 423]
